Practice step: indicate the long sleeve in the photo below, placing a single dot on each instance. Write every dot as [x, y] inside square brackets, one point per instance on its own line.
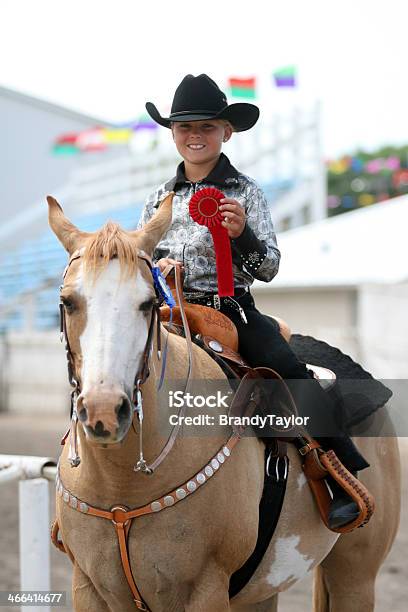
[257, 245]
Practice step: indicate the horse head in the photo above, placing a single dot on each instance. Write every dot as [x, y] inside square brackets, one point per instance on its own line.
[107, 301]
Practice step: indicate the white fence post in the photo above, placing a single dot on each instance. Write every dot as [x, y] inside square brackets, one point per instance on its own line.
[34, 538]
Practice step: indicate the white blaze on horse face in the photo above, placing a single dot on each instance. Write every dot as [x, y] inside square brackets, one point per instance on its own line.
[115, 334]
[289, 564]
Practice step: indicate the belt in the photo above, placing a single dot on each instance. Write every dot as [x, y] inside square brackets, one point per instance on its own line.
[213, 300]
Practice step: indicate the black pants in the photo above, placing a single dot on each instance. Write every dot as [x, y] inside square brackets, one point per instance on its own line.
[261, 344]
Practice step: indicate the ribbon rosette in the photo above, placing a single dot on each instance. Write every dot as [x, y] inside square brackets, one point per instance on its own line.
[204, 209]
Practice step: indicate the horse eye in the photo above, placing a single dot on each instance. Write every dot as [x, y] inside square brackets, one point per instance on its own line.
[69, 304]
[146, 306]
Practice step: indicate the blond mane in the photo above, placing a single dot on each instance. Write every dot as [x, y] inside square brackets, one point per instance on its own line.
[110, 242]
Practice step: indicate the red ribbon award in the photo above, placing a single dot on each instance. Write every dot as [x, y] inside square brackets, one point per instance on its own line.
[204, 208]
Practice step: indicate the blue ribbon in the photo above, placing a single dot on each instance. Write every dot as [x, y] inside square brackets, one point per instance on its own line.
[162, 287]
[164, 290]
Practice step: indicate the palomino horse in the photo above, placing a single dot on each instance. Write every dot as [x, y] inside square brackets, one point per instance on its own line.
[182, 557]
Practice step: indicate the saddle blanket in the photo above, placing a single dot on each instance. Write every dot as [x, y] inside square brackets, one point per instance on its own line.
[356, 389]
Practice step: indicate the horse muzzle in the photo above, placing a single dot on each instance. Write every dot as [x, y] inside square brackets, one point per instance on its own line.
[106, 415]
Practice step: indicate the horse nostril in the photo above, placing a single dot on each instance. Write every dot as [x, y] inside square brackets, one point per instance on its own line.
[99, 430]
[123, 411]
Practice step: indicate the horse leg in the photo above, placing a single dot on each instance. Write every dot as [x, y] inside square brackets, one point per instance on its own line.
[346, 578]
[269, 605]
[209, 592]
[337, 587]
[85, 597]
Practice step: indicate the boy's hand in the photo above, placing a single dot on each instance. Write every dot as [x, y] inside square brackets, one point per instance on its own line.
[167, 261]
[234, 217]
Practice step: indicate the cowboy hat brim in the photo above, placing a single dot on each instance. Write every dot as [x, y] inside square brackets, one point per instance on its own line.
[241, 115]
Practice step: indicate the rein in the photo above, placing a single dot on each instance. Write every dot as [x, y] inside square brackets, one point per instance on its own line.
[141, 376]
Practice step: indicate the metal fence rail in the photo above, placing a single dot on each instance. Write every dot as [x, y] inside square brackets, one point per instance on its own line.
[33, 474]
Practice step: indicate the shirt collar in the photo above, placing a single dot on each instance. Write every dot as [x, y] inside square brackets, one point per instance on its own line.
[223, 174]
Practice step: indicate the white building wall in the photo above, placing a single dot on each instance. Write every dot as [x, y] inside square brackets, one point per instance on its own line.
[325, 313]
[383, 329]
[34, 373]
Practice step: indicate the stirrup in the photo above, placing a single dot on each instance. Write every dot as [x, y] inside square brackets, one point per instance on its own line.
[317, 466]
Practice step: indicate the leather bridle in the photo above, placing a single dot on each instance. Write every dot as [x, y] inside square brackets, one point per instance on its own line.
[141, 376]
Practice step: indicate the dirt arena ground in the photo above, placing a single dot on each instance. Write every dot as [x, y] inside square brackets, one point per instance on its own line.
[27, 436]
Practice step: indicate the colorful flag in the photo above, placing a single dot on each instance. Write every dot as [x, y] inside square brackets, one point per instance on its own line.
[392, 163]
[68, 138]
[115, 136]
[144, 122]
[66, 144]
[91, 140]
[285, 77]
[100, 138]
[339, 166]
[357, 165]
[65, 149]
[373, 166]
[242, 88]
[365, 199]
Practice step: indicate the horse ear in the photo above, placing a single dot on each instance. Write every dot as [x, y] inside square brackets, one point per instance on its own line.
[70, 236]
[150, 234]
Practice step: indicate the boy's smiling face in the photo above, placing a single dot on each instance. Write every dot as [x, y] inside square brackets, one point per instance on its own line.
[200, 142]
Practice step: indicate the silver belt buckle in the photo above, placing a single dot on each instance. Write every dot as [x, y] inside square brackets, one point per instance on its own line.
[217, 302]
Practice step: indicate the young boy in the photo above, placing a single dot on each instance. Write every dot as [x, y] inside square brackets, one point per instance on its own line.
[201, 121]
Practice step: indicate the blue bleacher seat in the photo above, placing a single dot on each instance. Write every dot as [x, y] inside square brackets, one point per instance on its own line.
[30, 266]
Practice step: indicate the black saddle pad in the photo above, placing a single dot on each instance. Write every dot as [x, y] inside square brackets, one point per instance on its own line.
[276, 472]
[359, 393]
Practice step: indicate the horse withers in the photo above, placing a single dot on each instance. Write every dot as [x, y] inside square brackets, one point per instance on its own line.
[197, 514]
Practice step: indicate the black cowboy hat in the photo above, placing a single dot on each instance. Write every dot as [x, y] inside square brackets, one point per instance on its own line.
[199, 98]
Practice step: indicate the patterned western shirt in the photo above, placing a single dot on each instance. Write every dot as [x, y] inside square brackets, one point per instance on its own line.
[255, 252]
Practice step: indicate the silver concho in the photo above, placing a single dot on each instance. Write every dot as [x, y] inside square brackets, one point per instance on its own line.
[208, 470]
[220, 457]
[168, 500]
[191, 486]
[83, 507]
[200, 478]
[156, 506]
[226, 451]
[215, 346]
[181, 493]
[65, 496]
[215, 464]
[73, 502]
